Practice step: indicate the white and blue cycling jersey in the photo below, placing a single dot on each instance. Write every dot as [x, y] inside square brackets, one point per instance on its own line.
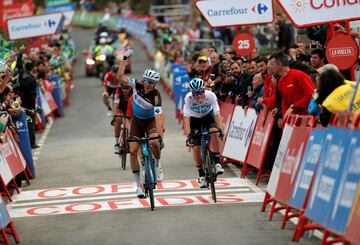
[194, 109]
[144, 106]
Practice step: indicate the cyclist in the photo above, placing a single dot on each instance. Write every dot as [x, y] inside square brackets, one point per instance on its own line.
[146, 105]
[122, 96]
[201, 109]
[109, 87]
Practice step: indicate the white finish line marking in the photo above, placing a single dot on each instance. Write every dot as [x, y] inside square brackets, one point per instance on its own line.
[95, 198]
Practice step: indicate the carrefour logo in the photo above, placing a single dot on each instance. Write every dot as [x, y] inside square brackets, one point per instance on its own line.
[260, 8]
[19, 124]
[50, 23]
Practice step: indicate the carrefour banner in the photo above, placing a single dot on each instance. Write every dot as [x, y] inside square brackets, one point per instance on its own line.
[345, 194]
[307, 168]
[291, 162]
[328, 176]
[276, 170]
[35, 26]
[240, 134]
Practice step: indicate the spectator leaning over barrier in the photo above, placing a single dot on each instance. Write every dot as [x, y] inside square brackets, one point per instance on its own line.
[257, 93]
[295, 87]
[334, 93]
[27, 93]
[317, 58]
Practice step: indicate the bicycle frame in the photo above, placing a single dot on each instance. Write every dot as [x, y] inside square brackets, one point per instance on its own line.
[148, 164]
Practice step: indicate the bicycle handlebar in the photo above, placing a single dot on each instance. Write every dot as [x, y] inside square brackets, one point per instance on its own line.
[143, 139]
[202, 134]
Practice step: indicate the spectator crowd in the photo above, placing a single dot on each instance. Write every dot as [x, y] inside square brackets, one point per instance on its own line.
[24, 72]
[293, 79]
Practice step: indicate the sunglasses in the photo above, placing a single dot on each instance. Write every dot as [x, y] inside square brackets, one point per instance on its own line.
[198, 93]
[126, 88]
[230, 53]
[149, 82]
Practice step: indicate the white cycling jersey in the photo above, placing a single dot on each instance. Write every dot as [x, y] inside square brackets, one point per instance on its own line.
[194, 109]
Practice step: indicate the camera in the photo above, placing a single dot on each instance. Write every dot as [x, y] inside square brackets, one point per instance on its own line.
[228, 73]
[212, 76]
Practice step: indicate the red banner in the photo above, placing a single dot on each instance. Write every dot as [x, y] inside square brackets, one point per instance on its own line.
[226, 111]
[50, 100]
[291, 163]
[260, 141]
[12, 154]
[10, 9]
[37, 44]
[352, 233]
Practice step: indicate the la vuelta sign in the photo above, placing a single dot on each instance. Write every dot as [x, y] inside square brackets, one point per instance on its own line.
[314, 12]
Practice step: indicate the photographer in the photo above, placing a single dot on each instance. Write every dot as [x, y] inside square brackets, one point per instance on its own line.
[241, 83]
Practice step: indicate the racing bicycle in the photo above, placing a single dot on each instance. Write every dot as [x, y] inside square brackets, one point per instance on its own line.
[124, 146]
[148, 165]
[208, 161]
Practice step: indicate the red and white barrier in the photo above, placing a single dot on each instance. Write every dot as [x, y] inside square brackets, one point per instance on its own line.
[259, 146]
[240, 134]
[12, 162]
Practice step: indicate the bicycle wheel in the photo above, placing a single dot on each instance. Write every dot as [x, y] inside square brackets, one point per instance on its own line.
[124, 148]
[210, 173]
[150, 185]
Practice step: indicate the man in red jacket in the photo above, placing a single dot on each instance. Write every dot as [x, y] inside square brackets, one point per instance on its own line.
[295, 87]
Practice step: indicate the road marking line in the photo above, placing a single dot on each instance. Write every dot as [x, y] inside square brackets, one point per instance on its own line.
[126, 195]
[92, 190]
[133, 203]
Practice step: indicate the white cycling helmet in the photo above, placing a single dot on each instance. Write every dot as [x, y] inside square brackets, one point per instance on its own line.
[104, 34]
[151, 76]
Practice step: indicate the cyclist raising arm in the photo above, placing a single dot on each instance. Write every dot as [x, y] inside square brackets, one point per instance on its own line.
[201, 109]
[146, 105]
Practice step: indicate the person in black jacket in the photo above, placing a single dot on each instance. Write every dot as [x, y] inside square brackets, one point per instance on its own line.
[27, 93]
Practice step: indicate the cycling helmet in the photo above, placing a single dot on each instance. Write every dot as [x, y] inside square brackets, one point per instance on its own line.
[196, 85]
[104, 34]
[114, 68]
[151, 76]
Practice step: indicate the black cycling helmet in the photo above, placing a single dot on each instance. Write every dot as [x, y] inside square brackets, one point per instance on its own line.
[114, 68]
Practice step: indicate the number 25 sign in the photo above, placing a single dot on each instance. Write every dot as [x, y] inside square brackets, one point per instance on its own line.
[244, 44]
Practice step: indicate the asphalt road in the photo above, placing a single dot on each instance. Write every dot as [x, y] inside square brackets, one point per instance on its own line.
[81, 196]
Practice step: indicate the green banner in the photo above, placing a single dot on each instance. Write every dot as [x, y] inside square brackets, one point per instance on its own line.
[56, 2]
[5, 55]
[6, 44]
[92, 19]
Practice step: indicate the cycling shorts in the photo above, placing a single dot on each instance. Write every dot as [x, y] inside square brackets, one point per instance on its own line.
[196, 124]
[139, 127]
[110, 91]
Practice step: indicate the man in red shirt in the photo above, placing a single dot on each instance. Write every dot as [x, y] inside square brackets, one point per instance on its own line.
[269, 99]
[295, 87]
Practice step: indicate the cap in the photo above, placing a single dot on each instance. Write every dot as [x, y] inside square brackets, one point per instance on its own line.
[202, 58]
